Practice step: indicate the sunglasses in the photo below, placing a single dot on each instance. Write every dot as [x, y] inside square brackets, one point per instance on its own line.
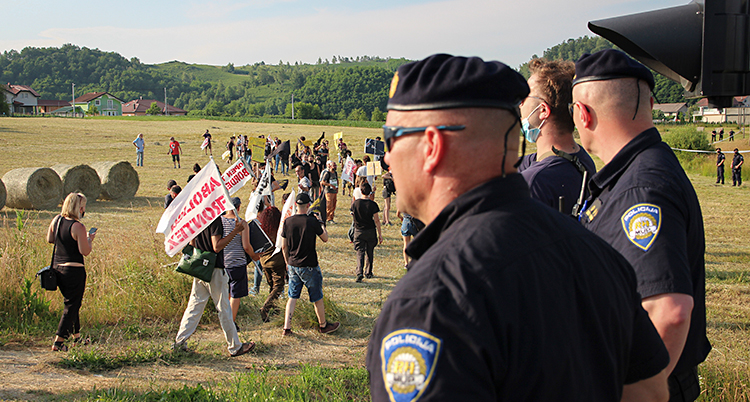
[392, 132]
[572, 105]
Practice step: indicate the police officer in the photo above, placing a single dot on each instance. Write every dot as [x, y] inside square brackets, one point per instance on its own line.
[643, 204]
[505, 298]
[737, 162]
[719, 166]
[559, 166]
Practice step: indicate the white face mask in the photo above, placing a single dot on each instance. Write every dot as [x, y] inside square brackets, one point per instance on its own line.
[531, 134]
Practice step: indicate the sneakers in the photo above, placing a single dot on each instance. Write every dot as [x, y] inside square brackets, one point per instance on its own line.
[180, 346]
[246, 347]
[287, 332]
[329, 327]
[359, 278]
[369, 276]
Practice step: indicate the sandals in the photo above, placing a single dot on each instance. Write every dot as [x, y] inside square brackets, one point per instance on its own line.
[81, 341]
[246, 347]
[59, 347]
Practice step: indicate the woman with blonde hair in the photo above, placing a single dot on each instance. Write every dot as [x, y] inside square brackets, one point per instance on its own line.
[72, 243]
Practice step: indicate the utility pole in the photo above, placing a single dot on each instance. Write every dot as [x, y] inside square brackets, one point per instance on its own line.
[292, 106]
[166, 112]
[74, 99]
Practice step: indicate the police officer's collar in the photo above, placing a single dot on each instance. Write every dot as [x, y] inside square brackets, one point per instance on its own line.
[482, 198]
[617, 166]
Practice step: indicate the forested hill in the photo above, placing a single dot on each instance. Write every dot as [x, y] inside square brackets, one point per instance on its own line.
[341, 88]
[666, 90]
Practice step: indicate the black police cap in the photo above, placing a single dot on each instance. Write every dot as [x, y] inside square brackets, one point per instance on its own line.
[442, 81]
[610, 64]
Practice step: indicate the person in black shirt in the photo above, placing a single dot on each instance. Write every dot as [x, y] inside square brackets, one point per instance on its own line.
[298, 244]
[643, 204]
[367, 232]
[737, 162]
[720, 166]
[505, 299]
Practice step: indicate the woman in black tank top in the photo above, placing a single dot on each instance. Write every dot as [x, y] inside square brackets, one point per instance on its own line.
[72, 243]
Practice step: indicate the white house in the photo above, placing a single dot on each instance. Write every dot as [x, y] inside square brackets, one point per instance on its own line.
[738, 113]
[24, 99]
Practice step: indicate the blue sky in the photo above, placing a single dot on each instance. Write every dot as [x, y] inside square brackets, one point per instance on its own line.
[242, 32]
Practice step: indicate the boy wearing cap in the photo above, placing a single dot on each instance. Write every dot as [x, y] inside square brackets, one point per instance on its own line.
[298, 246]
[643, 204]
[505, 298]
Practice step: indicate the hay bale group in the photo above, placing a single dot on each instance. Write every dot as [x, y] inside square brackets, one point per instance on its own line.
[45, 188]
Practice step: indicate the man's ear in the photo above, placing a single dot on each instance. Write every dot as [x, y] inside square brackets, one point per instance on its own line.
[544, 111]
[585, 117]
[434, 148]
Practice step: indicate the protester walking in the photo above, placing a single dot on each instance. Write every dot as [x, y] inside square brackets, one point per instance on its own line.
[140, 145]
[72, 242]
[236, 253]
[367, 232]
[175, 150]
[274, 267]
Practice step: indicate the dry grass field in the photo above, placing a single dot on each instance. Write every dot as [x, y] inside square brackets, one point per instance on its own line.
[134, 300]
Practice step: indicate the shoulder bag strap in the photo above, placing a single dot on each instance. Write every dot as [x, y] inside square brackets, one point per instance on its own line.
[54, 242]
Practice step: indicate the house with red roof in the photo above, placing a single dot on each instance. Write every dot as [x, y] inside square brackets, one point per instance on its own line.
[138, 107]
[106, 104]
[23, 99]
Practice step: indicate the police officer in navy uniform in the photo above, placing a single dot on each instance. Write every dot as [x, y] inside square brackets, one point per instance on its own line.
[505, 299]
[643, 204]
[737, 162]
[720, 166]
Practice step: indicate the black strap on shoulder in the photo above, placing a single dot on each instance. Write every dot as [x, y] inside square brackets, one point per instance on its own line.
[54, 241]
[571, 158]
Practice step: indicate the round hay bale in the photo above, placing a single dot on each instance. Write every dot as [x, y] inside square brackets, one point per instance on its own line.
[3, 194]
[79, 179]
[33, 188]
[119, 179]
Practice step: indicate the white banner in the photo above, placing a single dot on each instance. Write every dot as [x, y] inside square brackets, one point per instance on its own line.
[264, 188]
[202, 201]
[349, 170]
[287, 211]
[236, 176]
[205, 143]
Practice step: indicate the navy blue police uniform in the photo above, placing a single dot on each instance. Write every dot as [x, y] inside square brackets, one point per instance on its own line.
[737, 169]
[643, 204]
[505, 299]
[508, 300]
[720, 158]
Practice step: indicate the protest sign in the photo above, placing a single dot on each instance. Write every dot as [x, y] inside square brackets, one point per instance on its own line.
[258, 238]
[288, 210]
[236, 176]
[264, 188]
[374, 147]
[258, 148]
[338, 135]
[349, 170]
[205, 143]
[203, 200]
[374, 169]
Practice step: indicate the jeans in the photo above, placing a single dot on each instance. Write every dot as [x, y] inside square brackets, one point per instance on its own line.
[139, 158]
[276, 159]
[310, 277]
[257, 277]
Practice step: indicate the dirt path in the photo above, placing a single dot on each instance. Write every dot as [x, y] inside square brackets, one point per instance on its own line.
[30, 373]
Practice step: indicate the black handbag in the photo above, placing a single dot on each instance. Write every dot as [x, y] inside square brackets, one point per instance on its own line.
[47, 276]
[197, 263]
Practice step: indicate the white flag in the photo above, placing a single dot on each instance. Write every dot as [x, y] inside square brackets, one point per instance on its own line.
[264, 188]
[200, 203]
[289, 209]
[349, 170]
[236, 176]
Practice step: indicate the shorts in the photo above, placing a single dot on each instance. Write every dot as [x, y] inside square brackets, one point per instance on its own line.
[237, 281]
[408, 228]
[175, 158]
[311, 277]
[386, 193]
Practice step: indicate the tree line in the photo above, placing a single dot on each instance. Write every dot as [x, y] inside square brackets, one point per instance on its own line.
[344, 88]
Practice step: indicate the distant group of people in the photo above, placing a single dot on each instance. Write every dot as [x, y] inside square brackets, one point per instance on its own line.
[558, 283]
[721, 135]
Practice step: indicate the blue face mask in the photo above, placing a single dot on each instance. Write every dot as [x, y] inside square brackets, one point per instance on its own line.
[531, 134]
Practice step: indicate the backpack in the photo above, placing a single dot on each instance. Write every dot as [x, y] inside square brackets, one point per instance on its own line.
[389, 185]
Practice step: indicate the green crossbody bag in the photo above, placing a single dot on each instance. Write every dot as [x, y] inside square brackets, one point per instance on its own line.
[197, 263]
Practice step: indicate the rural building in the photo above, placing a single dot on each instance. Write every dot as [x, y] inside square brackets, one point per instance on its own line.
[106, 103]
[138, 107]
[738, 113]
[671, 110]
[22, 99]
[50, 105]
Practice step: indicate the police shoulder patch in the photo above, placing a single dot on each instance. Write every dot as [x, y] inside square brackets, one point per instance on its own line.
[641, 224]
[409, 358]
